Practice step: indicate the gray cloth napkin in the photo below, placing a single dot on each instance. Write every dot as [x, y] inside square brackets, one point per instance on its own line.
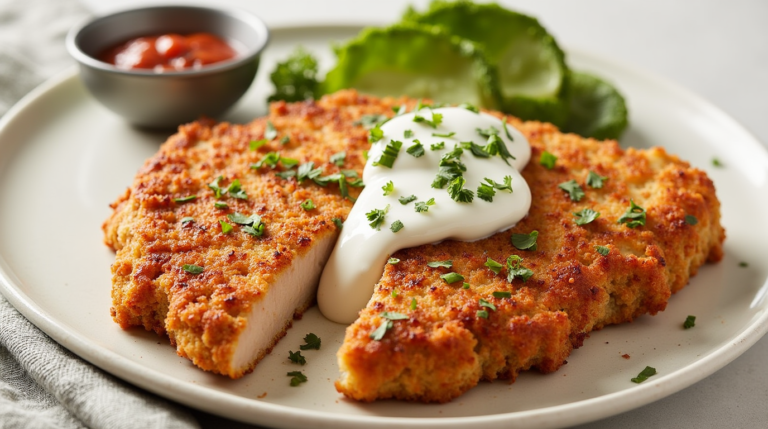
[42, 384]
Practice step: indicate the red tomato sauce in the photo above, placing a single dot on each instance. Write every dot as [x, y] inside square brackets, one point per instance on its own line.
[169, 52]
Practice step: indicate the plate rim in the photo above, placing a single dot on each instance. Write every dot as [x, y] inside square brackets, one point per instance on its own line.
[201, 397]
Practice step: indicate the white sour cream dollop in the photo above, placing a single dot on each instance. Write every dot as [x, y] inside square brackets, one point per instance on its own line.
[357, 261]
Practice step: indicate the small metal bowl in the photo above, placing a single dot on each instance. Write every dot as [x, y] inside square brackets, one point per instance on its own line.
[162, 100]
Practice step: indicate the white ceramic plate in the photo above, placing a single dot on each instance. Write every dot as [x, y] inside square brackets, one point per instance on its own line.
[64, 158]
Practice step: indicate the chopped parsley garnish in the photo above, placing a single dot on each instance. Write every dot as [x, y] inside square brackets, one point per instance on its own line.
[255, 144]
[487, 132]
[192, 268]
[297, 377]
[296, 357]
[437, 119]
[251, 224]
[349, 173]
[289, 162]
[496, 146]
[221, 205]
[644, 374]
[187, 219]
[270, 159]
[270, 132]
[690, 322]
[370, 121]
[585, 216]
[634, 216]
[506, 185]
[344, 191]
[573, 189]
[396, 226]
[308, 204]
[440, 264]
[452, 278]
[413, 304]
[469, 107]
[407, 134]
[417, 149]
[437, 146]
[602, 250]
[311, 341]
[308, 171]
[393, 261]
[446, 135]
[493, 265]
[486, 192]
[185, 199]
[388, 188]
[743, 264]
[422, 207]
[457, 191]
[506, 130]
[502, 294]
[475, 149]
[547, 160]
[595, 180]
[525, 241]
[389, 316]
[716, 162]
[405, 200]
[388, 157]
[482, 313]
[376, 217]
[394, 291]
[235, 190]
[486, 304]
[450, 168]
[285, 139]
[399, 110]
[339, 224]
[516, 269]
[375, 134]
[225, 227]
[691, 220]
[287, 174]
[338, 158]
[465, 285]
[214, 186]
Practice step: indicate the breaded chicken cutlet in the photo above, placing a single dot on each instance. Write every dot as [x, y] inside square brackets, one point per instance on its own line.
[228, 316]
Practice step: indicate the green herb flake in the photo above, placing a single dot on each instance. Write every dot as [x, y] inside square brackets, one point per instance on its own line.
[405, 200]
[407, 134]
[416, 150]
[297, 377]
[370, 121]
[311, 341]
[506, 129]
[496, 146]
[602, 250]
[220, 205]
[457, 191]
[716, 162]
[644, 374]
[376, 217]
[287, 174]
[691, 220]
[394, 293]
[486, 192]
[440, 264]
[285, 139]
[452, 278]
[396, 226]
[387, 324]
[255, 144]
[585, 216]
[423, 207]
[469, 107]
[547, 160]
[525, 241]
[690, 322]
[393, 261]
[634, 216]
[487, 132]
[437, 146]
[413, 304]
[235, 190]
[595, 180]
[743, 264]
[388, 188]
[573, 189]
[465, 285]
[270, 132]
[502, 294]
[296, 357]
[270, 159]
[225, 227]
[339, 224]
[388, 157]
[308, 204]
[486, 304]
[476, 150]
[214, 186]
[516, 269]
[289, 162]
[192, 268]
[338, 158]
[437, 119]
[375, 134]
[445, 135]
[506, 184]
[493, 265]
[482, 313]
[185, 199]
[187, 219]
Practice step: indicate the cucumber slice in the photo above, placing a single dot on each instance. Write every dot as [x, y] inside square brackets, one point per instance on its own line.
[532, 74]
[413, 60]
[596, 108]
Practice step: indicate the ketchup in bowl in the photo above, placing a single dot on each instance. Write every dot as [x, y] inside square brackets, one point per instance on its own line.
[169, 52]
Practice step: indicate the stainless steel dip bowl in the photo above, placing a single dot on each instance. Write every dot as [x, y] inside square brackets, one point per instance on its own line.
[163, 100]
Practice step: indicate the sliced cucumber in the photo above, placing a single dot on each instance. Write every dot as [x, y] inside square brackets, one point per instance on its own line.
[532, 74]
[596, 108]
[414, 60]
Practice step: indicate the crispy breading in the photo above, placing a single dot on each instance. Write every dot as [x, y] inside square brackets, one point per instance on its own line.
[444, 347]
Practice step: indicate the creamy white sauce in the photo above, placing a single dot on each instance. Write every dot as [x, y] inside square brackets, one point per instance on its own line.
[357, 261]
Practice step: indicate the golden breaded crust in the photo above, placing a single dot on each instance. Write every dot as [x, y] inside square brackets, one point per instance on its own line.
[203, 314]
[444, 348]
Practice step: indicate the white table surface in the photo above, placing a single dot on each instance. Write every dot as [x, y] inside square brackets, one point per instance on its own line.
[718, 49]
